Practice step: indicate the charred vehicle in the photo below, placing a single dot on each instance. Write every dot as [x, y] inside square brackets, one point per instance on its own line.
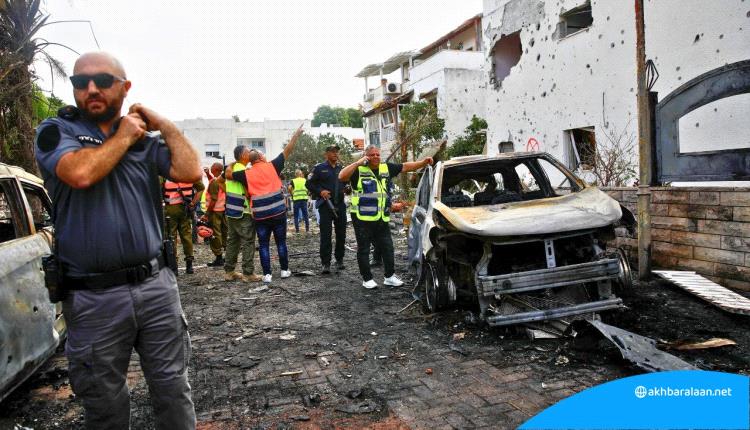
[31, 327]
[520, 236]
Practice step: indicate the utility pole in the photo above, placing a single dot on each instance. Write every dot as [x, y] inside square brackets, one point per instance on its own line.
[644, 148]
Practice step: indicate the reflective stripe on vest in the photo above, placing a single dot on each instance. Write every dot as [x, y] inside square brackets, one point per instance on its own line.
[203, 201]
[236, 203]
[177, 193]
[265, 190]
[371, 200]
[300, 191]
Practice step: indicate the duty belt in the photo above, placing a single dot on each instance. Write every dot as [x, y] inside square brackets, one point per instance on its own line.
[128, 275]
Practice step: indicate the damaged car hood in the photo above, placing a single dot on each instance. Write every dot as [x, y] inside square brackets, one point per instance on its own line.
[589, 208]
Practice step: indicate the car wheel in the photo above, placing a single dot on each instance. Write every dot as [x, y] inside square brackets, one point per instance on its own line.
[624, 282]
[435, 297]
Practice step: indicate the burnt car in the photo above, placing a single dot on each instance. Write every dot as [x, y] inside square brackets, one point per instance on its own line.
[31, 327]
[520, 236]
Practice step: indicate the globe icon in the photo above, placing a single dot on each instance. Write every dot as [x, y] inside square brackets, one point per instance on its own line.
[640, 391]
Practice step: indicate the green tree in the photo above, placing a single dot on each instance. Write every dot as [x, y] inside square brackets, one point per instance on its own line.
[471, 142]
[45, 107]
[311, 151]
[346, 117]
[420, 124]
[20, 20]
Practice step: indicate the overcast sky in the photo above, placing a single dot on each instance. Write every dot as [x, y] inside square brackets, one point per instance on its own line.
[276, 59]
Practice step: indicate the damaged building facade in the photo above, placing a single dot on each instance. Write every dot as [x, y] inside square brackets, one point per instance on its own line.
[447, 73]
[562, 74]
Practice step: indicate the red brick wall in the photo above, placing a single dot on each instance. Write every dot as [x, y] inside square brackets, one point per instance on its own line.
[705, 230]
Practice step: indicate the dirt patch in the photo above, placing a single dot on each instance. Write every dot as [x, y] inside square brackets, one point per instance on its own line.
[321, 352]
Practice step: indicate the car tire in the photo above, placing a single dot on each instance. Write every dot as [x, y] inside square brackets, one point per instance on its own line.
[623, 285]
[436, 296]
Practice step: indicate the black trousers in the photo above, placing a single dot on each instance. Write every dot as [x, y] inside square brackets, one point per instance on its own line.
[327, 224]
[379, 234]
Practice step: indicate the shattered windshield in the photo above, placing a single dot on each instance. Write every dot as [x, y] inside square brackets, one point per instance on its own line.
[503, 181]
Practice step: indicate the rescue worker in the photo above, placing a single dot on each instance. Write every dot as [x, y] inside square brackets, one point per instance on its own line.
[299, 199]
[268, 205]
[216, 197]
[371, 202]
[240, 224]
[180, 200]
[102, 172]
[325, 185]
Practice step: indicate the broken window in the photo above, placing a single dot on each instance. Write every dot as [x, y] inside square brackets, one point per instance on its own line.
[580, 148]
[212, 150]
[505, 55]
[40, 206]
[528, 182]
[8, 228]
[575, 20]
[505, 147]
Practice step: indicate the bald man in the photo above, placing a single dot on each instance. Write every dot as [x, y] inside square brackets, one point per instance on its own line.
[102, 170]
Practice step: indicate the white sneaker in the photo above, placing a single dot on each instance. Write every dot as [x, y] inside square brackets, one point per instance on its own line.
[286, 274]
[267, 279]
[393, 281]
[369, 284]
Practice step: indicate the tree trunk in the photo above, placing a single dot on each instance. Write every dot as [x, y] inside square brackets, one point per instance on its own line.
[17, 123]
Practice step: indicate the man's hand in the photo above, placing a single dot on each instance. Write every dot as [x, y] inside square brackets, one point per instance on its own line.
[427, 161]
[153, 120]
[131, 128]
[292, 142]
[364, 161]
[325, 194]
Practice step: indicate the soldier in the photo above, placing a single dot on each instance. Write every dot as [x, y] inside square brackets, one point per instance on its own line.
[180, 200]
[240, 224]
[216, 197]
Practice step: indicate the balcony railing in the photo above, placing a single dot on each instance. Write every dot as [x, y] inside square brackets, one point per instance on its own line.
[388, 135]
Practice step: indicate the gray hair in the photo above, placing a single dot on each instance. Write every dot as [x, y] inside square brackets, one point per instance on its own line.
[371, 147]
[255, 155]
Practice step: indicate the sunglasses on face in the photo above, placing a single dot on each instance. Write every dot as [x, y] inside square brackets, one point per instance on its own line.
[101, 80]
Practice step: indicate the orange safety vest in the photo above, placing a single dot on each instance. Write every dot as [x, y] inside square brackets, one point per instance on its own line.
[177, 193]
[221, 199]
[265, 190]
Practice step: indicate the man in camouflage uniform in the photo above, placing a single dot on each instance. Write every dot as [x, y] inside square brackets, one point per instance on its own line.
[180, 200]
[215, 205]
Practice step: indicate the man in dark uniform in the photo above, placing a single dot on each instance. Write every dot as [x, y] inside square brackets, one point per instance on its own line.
[325, 186]
[102, 173]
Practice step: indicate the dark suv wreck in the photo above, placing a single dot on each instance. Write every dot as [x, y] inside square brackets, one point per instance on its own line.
[521, 235]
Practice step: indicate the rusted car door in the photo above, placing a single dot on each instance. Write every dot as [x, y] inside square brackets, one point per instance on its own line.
[30, 326]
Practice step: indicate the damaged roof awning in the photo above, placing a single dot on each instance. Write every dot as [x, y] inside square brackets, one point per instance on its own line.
[389, 103]
[388, 66]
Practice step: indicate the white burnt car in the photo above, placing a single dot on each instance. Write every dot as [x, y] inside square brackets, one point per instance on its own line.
[31, 327]
[519, 235]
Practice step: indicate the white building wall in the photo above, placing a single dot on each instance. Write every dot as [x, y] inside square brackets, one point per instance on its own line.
[275, 133]
[589, 78]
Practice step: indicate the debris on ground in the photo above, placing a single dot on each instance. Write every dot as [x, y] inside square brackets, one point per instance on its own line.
[689, 346]
[641, 350]
[364, 407]
[707, 290]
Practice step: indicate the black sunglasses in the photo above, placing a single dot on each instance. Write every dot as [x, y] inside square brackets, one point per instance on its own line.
[101, 80]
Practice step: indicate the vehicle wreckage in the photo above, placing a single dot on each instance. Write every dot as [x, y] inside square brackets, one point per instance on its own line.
[521, 236]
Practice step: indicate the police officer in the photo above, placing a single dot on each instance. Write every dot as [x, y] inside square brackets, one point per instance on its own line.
[102, 173]
[371, 202]
[180, 200]
[240, 224]
[324, 184]
[299, 198]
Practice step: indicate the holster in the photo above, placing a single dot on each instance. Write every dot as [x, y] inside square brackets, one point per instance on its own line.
[53, 278]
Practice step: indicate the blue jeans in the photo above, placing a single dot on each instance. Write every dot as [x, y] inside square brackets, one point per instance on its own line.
[300, 211]
[264, 228]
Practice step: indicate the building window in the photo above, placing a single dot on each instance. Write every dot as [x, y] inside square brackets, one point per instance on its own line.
[252, 143]
[575, 20]
[505, 147]
[212, 150]
[580, 148]
[387, 118]
[505, 55]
